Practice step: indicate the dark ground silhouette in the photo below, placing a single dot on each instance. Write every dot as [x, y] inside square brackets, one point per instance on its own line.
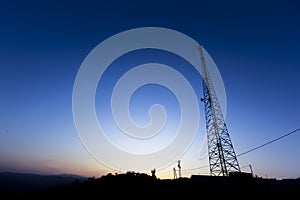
[141, 185]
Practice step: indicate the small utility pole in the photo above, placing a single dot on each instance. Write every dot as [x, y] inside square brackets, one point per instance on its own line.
[179, 169]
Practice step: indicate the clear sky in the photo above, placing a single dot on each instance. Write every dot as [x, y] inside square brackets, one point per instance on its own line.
[255, 45]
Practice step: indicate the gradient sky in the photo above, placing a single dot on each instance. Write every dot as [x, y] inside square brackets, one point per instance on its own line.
[255, 45]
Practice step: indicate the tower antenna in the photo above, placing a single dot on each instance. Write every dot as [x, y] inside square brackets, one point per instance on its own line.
[221, 155]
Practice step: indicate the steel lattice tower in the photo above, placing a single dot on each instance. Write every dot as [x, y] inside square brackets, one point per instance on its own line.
[221, 155]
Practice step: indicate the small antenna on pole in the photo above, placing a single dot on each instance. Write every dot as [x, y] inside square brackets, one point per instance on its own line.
[175, 174]
[179, 169]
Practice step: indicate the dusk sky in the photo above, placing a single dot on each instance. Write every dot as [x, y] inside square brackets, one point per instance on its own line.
[254, 44]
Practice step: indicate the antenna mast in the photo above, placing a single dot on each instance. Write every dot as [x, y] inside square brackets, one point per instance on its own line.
[221, 155]
[179, 169]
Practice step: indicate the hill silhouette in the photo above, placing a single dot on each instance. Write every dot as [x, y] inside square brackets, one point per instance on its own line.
[132, 184]
[26, 183]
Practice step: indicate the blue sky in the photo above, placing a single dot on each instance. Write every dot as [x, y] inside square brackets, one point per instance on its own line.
[255, 45]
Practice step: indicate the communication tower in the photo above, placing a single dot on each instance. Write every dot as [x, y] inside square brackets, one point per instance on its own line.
[221, 155]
